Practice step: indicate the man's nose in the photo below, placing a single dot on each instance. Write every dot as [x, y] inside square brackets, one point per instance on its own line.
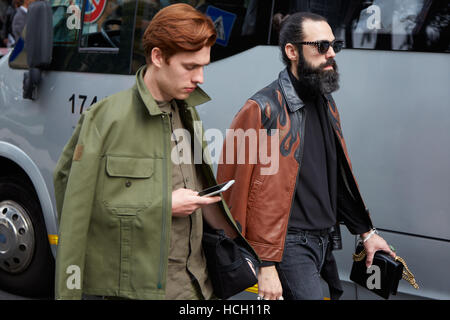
[330, 53]
[198, 75]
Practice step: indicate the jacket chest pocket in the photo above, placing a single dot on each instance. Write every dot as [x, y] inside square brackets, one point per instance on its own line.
[127, 183]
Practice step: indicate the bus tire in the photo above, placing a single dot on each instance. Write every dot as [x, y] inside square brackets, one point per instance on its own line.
[26, 262]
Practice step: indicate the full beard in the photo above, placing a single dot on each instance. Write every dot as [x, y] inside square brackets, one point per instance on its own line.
[318, 80]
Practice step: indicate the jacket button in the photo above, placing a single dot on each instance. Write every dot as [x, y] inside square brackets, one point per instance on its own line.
[128, 184]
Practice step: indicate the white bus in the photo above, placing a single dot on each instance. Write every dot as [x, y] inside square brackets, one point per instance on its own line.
[393, 101]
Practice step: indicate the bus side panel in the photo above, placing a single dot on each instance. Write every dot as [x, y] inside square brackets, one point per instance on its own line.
[395, 116]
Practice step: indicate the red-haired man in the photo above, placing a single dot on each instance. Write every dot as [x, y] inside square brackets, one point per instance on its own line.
[131, 218]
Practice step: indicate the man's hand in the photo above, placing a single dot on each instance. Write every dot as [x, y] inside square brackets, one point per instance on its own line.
[372, 245]
[186, 201]
[269, 285]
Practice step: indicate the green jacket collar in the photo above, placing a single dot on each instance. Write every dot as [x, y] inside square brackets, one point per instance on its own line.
[197, 97]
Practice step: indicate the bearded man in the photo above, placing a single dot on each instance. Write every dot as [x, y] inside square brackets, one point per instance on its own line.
[291, 217]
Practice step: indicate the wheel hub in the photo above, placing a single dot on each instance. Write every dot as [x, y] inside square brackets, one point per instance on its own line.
[16, 237]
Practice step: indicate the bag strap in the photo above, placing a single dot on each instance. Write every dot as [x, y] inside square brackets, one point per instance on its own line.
[407, 274]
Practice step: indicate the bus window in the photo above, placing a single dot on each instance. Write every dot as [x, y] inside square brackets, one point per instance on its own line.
[93, 37]
[101, 24]
[413, 25]
[240, 25]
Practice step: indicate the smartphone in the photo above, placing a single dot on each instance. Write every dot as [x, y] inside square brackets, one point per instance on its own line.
[211, 191]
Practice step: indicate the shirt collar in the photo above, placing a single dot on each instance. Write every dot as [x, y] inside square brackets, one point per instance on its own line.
[197, 97]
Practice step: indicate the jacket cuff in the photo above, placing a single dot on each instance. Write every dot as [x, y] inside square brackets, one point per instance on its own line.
[267, 264]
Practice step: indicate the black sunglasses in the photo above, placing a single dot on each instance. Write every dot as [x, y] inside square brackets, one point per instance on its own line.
[324, 45]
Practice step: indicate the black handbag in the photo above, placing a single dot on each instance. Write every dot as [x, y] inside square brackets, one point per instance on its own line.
[383, 279]
[227, 266]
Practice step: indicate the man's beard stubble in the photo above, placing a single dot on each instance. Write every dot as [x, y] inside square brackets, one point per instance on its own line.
[317, 80]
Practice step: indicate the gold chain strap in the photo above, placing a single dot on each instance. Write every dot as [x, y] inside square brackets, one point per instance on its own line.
[407, 274]
[360, 256]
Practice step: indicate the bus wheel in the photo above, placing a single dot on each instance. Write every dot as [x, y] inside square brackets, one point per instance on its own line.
[26, 263]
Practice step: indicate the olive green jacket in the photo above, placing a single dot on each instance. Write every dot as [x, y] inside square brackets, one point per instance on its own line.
[113, 192]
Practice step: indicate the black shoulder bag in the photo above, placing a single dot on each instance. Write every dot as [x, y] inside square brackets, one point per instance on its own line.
[227, 265]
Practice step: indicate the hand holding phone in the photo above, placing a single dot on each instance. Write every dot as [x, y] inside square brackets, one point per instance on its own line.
[186, 201]
[216, 189]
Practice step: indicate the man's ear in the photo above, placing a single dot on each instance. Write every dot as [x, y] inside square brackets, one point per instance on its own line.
[293, 55]
[291, 51]
[157, 57]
